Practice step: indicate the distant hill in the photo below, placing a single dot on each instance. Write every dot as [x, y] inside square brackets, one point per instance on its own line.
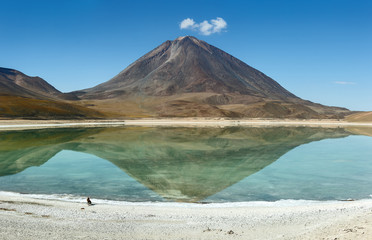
[32, 97]
[188, 77]
[16, 83]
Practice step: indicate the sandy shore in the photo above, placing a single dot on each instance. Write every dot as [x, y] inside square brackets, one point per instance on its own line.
[182, 122]
[28, 218]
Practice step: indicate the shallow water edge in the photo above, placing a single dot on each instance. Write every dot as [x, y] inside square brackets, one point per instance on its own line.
[279, 203]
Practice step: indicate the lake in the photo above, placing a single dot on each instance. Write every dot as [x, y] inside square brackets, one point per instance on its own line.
[168, 164]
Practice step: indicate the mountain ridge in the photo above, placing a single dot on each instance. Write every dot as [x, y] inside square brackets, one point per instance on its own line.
[186, 77]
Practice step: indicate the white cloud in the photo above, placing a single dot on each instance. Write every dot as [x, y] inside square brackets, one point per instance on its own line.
[344, 83]
[219, 24]
[188, 23]
[205, 27]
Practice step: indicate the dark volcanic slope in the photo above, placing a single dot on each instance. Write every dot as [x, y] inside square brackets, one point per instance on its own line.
[188, 65]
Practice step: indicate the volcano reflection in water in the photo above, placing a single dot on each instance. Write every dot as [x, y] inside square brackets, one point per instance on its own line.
[179, 164]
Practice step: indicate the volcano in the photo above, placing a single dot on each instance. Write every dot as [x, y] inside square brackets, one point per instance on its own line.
[189, 65]
[188, 77]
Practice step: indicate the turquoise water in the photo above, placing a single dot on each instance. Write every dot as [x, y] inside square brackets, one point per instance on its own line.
[331, 169]
[187, 164]
[79, 174]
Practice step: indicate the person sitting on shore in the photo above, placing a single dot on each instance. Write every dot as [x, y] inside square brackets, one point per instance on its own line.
[88, 201]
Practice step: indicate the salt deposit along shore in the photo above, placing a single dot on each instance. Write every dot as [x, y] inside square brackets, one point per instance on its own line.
[23, 217]
[176, 122]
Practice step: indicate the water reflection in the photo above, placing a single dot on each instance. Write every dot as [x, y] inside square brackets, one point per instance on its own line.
[180, 164]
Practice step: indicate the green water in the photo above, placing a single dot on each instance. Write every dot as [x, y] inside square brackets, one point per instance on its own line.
[188, 164]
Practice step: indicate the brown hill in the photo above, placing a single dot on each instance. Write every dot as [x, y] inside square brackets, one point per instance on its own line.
[14, 82]
[189, 77]
[32, 97]
[31, 108]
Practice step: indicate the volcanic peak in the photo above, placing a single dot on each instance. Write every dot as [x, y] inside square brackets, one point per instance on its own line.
[187, 65]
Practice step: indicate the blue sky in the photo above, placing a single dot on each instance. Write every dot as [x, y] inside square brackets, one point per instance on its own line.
[320, 50]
